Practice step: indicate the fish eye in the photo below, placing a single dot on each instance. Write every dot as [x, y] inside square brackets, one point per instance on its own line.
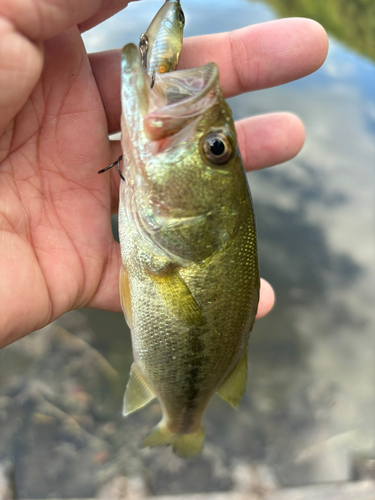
[181, 17]
[217, 148]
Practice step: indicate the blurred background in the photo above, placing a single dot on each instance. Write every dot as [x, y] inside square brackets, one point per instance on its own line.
[308, 411]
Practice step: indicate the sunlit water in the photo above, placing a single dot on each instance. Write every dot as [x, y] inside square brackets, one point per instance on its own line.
[309, 405]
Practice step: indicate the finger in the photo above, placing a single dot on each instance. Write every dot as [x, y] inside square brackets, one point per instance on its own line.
[106, 70]
[110, 8]
[268, 140]
[21, 63]
[260, 56]
[107, 294]
[266, 300]
[23, 25]
[43, 19]
[251, 58]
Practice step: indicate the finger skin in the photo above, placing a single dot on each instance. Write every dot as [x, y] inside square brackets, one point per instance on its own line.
[21, 63]
[24, 24]
[266, 300]
[106, 70]
[43, 19]
[260, 56]
[108, 9]
[249, 59]
[270, 139]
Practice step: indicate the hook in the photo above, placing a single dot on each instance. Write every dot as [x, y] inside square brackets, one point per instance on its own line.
[143, 49]
[117, 162]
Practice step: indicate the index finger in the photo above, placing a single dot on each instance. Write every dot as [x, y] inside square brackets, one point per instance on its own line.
[43, 19]
[260, 56]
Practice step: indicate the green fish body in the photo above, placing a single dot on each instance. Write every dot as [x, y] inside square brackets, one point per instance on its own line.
[189, 281]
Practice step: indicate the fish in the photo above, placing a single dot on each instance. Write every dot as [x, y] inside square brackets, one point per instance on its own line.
[161, 45]
[189, 279]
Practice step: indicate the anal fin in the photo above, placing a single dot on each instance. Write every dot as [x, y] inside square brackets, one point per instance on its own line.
[137, 393]
[233, 386]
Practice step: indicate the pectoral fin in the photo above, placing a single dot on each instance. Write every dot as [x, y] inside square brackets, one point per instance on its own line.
[137, 393]
[178, 297]
[232, 389]
[125, 296]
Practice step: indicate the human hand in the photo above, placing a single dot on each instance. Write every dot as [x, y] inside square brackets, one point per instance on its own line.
[57, 107]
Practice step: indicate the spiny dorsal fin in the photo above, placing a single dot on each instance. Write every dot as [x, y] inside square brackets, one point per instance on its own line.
[137, 393]
[232, 389]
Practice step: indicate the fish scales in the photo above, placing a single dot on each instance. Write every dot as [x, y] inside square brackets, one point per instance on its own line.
[186, 363]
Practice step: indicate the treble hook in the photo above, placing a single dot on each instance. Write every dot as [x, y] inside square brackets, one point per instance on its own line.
[117, 162]
[143, 49]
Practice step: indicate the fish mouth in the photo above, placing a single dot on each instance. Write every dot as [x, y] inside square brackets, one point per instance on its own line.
[185, 96]
[175, 100]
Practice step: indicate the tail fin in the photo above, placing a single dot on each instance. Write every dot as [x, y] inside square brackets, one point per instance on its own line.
[184, 445]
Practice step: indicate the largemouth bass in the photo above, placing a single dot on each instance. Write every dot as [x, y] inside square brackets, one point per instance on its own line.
[161, 45]
[189, 281]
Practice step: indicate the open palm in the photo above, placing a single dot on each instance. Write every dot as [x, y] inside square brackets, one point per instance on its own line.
[57, 106]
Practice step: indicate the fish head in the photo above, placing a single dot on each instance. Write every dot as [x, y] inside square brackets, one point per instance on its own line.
[182, 162]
